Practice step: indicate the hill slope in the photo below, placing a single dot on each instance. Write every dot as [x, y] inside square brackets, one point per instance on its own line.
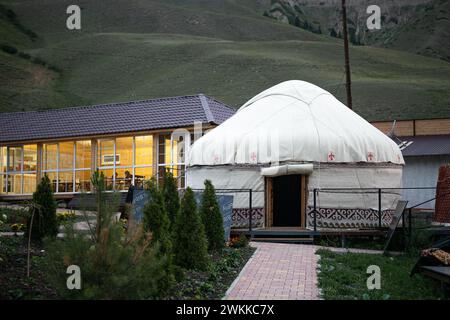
[138, 49]
[417, 26]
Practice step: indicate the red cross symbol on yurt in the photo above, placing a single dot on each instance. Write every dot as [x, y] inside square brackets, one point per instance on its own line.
[331, 156]
[370, 156]
[253, 156]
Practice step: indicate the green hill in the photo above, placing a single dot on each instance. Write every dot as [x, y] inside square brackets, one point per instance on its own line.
[417, 26]
[139, 49]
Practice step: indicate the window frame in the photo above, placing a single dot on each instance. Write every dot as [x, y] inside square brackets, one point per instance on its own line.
[5, 176]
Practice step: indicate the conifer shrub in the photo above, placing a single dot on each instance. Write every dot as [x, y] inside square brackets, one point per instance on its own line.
[156, 219]
[42, 219]
[212, 218]
[113, 264]
[171, 198]
[190, 243]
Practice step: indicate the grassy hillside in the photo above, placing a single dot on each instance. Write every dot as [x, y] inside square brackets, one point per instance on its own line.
[417, 26]
[140, 49]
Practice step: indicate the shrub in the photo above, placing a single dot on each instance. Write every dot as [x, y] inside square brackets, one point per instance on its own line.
[43, 212]
[212, 218]
[190, 244]
[156, 219]
[171, 198]
[64, 217]
[112, 265]
[239, 242]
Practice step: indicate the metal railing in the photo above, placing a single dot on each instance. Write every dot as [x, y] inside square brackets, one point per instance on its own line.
[378, 191]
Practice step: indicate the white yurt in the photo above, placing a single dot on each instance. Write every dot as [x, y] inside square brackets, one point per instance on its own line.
[286, 142]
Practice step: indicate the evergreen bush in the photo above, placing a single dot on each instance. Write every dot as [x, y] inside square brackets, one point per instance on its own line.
[156, 219]
[171, 198]
[42, 220]
[190, 243]
[212, 218]
[113, 264]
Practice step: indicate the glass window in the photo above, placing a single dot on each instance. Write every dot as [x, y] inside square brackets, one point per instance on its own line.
[83, 181]
[53, 181]
[109, 178]
[144, 150]
[14, 183]
[50, 156]
[3, 159]
[164, 149]
[124, 178]
[65, 181]
[83, 154]
[29, 157]
[65, 155]
[2, 183]
[142, 175]
[15, 159]
[106, 153]
[178, 149]
[124, 152]
[29, 183]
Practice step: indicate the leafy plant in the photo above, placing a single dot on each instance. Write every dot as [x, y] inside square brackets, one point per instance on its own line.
[63, 217]
[239, 242]
[212, 218]
[190, 243]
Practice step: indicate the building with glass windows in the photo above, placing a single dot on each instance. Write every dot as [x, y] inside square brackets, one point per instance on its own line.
[129, 142]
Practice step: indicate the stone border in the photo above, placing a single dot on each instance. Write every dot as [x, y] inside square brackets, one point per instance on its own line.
[235, 281]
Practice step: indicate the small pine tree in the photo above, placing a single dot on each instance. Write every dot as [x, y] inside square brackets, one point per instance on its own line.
[171, 198]
[43, 213]
[156, 219]
[190, 243]
[212, 218]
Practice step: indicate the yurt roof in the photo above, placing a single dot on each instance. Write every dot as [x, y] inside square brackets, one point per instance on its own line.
[294, 121]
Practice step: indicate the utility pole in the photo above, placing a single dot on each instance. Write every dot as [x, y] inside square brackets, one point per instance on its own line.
[348, 82]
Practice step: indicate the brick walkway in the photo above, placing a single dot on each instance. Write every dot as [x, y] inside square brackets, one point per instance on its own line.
[278, 272]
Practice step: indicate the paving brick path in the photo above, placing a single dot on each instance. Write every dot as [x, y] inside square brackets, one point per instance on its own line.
[278, 272]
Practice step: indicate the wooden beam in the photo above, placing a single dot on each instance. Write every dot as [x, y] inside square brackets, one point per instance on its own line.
[347, 57]
[303, 201]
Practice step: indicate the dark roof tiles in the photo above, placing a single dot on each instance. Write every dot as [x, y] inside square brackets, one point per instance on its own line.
[426, 145]
[174, 112]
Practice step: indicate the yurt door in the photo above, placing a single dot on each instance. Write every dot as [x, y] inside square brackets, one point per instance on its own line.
[287, 201]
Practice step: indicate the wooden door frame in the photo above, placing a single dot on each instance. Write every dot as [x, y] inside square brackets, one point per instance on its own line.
[268, 200]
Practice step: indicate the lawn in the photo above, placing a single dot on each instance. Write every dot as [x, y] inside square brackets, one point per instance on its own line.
[343, 277]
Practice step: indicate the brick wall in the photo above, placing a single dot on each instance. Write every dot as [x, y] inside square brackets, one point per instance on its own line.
[443, 203]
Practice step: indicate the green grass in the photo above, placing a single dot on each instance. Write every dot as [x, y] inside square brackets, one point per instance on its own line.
[227, 49]
[343, 277]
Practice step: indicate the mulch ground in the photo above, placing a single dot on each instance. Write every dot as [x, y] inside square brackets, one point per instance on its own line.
[14, 282]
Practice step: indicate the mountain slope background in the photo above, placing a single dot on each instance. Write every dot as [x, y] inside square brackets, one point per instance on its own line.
[140, 49]
[417, 26]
